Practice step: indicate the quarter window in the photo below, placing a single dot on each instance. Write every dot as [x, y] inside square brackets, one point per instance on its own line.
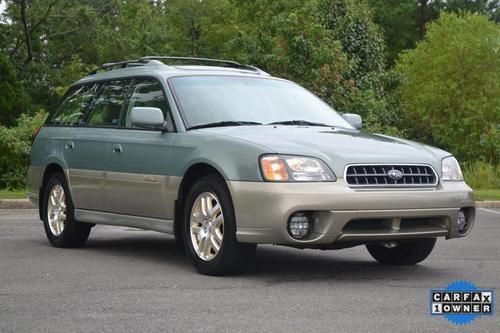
[108, 105]
[72, 109]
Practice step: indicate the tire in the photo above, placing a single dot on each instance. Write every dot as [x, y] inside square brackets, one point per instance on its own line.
[409, 252]
[204, 231]
[67, 232]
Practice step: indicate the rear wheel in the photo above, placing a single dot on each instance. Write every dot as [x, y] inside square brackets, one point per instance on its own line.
[408, 252]
[58, 215]
[210, 229]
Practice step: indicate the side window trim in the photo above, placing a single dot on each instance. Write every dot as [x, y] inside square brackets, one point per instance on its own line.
[126, 101]
[129, 98]
[91, 105]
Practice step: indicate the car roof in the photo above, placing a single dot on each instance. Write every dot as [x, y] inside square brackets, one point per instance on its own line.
[155, 68]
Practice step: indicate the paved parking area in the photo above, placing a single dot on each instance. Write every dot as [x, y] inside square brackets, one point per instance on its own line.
[127, 280]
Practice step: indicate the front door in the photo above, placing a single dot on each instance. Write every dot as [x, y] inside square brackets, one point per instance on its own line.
[137, 180]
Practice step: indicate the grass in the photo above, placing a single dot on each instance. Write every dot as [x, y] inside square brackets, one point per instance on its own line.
[482, 195]
[481, 175]
[12, 194]
[484, 178]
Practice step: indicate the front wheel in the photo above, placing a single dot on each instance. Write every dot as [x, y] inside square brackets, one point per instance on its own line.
[409, 252]
[61, 228]
[210, 229]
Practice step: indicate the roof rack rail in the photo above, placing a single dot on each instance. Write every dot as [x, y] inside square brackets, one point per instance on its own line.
[114, 65]
[228, 63]
[159, 59]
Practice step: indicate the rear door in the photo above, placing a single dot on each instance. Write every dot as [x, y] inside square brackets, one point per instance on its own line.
[91, 145]
[138, 181]
[83, 148]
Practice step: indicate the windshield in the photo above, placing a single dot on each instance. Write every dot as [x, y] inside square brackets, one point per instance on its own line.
[211, 99]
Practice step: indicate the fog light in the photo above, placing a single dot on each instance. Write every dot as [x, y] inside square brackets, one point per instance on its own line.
[462, 222]
[299, 225]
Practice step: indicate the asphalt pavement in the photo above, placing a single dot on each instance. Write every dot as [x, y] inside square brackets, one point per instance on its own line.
[127, 280]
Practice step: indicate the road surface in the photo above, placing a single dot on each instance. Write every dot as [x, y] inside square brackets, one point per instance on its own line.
[126, 280]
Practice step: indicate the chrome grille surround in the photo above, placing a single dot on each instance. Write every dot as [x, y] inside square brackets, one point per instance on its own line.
[376, 175]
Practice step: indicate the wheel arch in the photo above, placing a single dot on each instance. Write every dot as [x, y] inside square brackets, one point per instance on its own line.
[50, 169]
[192, 174]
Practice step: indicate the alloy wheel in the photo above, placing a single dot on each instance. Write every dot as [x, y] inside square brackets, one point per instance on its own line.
[56, 210]
[206, 226]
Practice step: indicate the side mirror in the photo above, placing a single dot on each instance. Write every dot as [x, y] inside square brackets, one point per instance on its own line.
[147, 117]
[353, 119]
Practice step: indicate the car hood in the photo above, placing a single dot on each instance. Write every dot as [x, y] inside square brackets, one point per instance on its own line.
[338, 147]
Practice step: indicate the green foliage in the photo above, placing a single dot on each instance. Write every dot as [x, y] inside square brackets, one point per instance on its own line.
[485, 7]
[13, 98]
[67, 38]
[481, 175]
[366, 83]
[330, 46]
[200, 28]
[451, 90]
[15, 148]
[398, 20]
[351, 23]
[445, 92]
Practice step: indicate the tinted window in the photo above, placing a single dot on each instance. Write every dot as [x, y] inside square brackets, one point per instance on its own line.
[147, 93]
[108, 105]
[74, 104]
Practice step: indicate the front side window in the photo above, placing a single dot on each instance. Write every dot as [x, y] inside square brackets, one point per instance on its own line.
[108, 105]
[211, 99]
[148, 93]
[74, 104]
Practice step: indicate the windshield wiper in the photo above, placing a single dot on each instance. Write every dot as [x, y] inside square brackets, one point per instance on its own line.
[299, 123]
[224, 124]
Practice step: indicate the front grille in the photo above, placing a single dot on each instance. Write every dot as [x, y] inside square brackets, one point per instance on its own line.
[390, 175]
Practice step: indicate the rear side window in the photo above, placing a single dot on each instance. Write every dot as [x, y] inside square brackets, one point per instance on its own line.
[108, 105]
[74, 104]
[148, 93]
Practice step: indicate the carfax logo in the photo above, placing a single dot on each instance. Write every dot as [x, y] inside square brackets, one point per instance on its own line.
[461, 302]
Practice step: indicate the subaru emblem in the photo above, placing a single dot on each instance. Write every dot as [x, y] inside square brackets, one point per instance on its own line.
[395, 174]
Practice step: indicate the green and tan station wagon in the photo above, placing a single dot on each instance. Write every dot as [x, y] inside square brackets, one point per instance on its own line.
[225, 157]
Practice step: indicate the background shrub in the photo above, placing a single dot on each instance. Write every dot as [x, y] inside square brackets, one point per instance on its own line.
[15, 148]
[450, 92]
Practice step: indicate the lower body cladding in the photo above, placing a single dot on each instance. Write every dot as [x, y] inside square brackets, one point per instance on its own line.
[330, 215]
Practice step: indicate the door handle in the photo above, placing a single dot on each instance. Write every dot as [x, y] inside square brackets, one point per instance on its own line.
[70, 145]
[117, 148]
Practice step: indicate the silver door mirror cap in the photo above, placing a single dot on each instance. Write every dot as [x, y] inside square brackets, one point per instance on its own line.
[146, 117]
[354, 120]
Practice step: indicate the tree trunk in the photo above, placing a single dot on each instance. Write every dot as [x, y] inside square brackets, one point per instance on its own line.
[27, 33]
[423, 17]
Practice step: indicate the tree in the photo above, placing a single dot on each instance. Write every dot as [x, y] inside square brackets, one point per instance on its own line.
[451, 86]
[200, 28]
[351, 23]
[403, 22]
[52, 43]
[13, 98]
[366, 81]
[486, 7]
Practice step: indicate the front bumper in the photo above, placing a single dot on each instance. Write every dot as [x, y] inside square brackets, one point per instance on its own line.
[345, 215]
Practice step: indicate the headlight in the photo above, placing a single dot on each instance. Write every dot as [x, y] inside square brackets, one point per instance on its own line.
[287, 168]
[451, 169]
